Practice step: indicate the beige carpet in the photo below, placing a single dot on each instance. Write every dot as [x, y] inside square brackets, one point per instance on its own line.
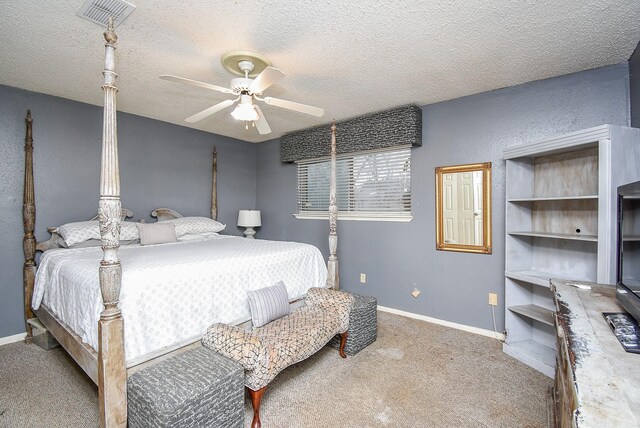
[416, 374]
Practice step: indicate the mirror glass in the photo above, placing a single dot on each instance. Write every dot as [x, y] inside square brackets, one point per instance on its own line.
[463, 208]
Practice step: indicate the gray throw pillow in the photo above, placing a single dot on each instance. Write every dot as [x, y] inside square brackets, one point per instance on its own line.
[268, 304]
[156, 233]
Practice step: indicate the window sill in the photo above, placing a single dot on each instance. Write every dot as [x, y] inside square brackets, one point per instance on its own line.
[354, 218]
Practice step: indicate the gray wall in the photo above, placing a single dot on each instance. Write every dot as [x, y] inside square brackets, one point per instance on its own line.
[477, 128]
[634, 83]
[161, 165]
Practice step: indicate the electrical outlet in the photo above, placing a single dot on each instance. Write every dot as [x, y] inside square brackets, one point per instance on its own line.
[363, 278]
[493, 299]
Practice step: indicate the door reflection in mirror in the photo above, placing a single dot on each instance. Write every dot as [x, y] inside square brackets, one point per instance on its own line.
[463, 218]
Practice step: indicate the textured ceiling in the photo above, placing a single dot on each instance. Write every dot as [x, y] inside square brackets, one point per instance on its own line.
[348, 57]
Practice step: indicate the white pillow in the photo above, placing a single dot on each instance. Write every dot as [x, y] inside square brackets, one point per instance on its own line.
[268, 304]
[80, 231]
[128, 231]
[195, 225]
[156, 233]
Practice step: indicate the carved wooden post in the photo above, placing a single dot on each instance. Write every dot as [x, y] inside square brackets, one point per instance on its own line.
[214, 185]
[112, 374]
[333, 280]
[29, 222]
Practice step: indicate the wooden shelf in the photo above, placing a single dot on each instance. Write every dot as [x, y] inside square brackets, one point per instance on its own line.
[531, 276]
[554, 198]
[535, 312]
[534, 354]
[538, 277]
[566, 236]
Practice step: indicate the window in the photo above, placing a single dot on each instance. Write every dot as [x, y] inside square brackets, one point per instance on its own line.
[369, 185]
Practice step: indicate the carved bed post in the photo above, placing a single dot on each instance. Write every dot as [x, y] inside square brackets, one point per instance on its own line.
[214, 185]
[29, 222]
[112, 374]
[333, 280]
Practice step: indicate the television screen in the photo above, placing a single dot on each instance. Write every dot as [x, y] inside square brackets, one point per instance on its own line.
[630, 237]
[628, 287]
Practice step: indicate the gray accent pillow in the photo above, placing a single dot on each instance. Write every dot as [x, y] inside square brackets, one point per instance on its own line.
[268, 304]
[156, 233]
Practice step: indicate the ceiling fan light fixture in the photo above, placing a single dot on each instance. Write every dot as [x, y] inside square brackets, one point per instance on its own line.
[245, 110]
[257, 75]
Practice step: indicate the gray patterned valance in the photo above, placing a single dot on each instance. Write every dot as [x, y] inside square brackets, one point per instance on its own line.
[399, 126]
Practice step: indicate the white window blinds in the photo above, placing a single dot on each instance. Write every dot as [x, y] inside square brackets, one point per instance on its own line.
[374, 184]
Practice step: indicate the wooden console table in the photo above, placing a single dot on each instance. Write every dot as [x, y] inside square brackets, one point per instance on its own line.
[597, 383]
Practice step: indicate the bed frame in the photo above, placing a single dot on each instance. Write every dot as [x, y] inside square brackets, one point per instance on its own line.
[107, 367]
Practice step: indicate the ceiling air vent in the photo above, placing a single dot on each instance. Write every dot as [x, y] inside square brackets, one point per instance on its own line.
[99, 11]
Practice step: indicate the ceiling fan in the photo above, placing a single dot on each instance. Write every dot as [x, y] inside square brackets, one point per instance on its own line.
[257, 75]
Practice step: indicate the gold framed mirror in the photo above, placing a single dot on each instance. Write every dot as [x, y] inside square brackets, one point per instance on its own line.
[463, 208]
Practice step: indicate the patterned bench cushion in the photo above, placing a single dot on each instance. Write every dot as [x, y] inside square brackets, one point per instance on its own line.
[266, 351]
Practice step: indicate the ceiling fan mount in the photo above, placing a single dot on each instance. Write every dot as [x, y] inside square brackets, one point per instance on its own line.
[235, 62]
[246, 66]
[257, 75]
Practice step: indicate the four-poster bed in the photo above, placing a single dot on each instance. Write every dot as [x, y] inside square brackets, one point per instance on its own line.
[106, 363]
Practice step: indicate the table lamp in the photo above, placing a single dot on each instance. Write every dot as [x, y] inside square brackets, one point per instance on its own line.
[249, 219]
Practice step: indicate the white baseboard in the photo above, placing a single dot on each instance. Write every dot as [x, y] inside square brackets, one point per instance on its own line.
[12, 339]
[470, 329]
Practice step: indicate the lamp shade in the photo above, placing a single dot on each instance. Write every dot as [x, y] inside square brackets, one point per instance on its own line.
[245, 110]
[249, 218]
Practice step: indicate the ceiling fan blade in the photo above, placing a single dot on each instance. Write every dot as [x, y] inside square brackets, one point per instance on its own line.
[195, 83]
[302, 108]
[268, 77]
[208, 112]
[261, 124]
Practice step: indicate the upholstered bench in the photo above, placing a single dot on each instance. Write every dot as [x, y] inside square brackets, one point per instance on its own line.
[266, 351]
[198, 388]
[363, 325]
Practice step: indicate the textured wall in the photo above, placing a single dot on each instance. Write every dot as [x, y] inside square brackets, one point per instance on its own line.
[160, 165]
[634, 85]
[465, 130]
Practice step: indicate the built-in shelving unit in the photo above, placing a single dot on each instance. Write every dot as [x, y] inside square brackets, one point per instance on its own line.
[560, 223]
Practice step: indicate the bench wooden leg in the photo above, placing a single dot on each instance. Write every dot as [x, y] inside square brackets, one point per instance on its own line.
[343, 341]
[256, 397]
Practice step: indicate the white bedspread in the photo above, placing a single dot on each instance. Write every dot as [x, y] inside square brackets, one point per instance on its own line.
[172, 292]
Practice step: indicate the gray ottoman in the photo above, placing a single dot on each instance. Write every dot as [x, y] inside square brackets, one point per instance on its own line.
[363, 325]
[198, 388]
